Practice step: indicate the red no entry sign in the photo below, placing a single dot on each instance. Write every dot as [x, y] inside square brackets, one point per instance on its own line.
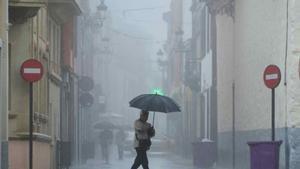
[272, 76]
[32, 70]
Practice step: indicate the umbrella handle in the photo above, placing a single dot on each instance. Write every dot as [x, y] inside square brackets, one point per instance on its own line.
[154, 114]
[153, 119]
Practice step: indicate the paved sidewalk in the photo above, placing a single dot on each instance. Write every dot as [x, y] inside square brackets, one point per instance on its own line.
[156, 161]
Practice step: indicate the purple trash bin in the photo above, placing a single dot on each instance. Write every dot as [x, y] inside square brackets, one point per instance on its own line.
[204, 153]
[264, 154]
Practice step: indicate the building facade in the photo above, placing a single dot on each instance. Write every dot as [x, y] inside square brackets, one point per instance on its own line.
[174, 66]
[243, 38]
[37, 31]
[4, 83]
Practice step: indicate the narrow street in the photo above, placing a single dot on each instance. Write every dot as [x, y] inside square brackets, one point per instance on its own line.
[156, 161]
[201, 84]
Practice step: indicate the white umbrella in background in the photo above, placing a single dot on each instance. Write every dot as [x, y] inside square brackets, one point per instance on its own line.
[112, 117]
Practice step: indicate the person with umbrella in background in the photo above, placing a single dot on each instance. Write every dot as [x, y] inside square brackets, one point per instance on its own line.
[120, 138]
[106, 137]
[142, 142]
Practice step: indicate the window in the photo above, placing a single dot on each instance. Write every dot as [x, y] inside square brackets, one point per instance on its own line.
[205, 31]
[10, 75]
[54, 36]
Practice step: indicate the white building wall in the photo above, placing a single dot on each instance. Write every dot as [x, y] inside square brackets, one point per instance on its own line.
[257, 37]
[293, 83]
[260, 40]
[225, 71]
[293, 64]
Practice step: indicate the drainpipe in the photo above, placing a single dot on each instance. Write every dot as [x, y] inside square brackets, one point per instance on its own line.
[4, 83]
[1, 46]
[287, 144]
[233, 127]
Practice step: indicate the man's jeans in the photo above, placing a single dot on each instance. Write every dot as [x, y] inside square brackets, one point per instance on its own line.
[141, 159]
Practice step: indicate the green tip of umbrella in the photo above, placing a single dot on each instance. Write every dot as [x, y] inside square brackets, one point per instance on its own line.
[157, 91]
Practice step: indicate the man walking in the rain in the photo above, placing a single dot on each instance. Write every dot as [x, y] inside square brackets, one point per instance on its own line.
[120, 138]
[142, 142]
[106, 138]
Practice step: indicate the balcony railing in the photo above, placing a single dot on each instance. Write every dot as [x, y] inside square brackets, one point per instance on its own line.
[21, 10]
[64, 9]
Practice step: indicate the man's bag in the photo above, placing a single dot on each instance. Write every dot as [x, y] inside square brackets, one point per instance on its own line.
[151, 132]
[145, 143]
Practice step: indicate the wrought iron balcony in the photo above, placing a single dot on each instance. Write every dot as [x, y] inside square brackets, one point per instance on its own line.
[64, 9]
[21, 10]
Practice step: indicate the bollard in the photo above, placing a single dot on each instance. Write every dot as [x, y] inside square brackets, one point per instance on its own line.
[264, 154]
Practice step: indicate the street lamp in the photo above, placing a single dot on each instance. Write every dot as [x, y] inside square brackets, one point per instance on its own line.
[180, 47]
[179, 32]
[162, 63]
[101, 13]
[160, 53]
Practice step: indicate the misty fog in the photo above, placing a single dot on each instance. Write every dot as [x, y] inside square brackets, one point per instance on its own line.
[164, 84]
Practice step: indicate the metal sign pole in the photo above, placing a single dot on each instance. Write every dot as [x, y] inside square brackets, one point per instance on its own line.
[273, 114]
[30, 122]
[31, 71]
[272, 77]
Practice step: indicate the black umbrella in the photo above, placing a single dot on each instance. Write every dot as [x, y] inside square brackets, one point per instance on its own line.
[155, 103]
[105, 125]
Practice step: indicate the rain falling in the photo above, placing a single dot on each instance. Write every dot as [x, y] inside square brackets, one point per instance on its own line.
[160, 84]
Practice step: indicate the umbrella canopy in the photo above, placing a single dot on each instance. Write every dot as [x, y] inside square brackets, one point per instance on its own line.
[105, 125]
[155, 102]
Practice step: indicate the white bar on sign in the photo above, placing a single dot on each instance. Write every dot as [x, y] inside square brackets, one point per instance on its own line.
[271, 76]
[32, 70]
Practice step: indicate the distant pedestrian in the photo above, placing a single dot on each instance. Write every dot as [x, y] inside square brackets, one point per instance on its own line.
[106, 137]
[120, 138]
[142, 142]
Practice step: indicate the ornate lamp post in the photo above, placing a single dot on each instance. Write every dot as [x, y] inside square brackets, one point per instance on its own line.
[101, 13]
